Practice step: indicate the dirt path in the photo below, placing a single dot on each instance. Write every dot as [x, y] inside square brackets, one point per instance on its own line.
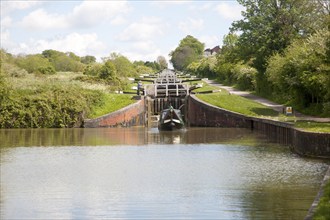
[277, 107]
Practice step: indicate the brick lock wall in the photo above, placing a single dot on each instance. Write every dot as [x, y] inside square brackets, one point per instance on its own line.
[132, 115]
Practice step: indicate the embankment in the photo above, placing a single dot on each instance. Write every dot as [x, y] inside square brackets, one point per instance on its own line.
[304, 143]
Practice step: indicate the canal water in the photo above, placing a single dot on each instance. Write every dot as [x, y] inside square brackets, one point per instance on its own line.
[139, 173]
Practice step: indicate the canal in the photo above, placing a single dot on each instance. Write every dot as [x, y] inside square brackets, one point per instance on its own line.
[139, 173]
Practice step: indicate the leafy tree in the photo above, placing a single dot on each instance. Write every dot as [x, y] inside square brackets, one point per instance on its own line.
[188, 51]
[88, 59]
[302, 74]
[269, 26]
[153, 65]
[64, 61]
[108, 71]
[32, 63]
[230, 50]
[205, 67]
[123, 65]
[73, 56]
[162, 62]
[140, 68]
[93, 69]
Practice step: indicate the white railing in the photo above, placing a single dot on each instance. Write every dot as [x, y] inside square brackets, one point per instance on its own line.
[157, 89]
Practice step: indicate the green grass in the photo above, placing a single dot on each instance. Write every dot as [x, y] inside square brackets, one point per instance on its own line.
[323, 208]
[110, 103]
[313, 126]
[238, 104]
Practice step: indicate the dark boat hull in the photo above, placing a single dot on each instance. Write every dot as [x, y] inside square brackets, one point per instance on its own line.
[170, 119]
[170, 126]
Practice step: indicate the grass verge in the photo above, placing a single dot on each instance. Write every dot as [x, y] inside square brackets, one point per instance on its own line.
[313, 126]
[323, 209]
[238, 104]
[110, 103]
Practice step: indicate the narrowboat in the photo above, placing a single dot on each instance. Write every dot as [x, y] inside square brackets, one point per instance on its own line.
[170, 119]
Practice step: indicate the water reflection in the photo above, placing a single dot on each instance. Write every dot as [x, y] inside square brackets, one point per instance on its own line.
[123, 136]
[136, 173]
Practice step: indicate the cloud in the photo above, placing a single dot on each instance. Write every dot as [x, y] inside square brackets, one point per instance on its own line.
[118, 20]
[85, 15]
[90, 13]
[191, 25]
[201, 7]
[5, 22]
[145, 29]
[41, 20]
[135, 56]
[168, 3]
[210, 41]
[228, 11]
[80, 44]
[9, 6]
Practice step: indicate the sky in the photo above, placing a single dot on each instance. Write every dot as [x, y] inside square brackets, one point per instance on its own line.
[138, 30]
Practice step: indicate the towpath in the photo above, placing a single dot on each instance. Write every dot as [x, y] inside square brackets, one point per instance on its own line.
[277, 107]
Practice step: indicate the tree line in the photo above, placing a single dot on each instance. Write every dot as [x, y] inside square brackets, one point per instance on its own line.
[280, 49]
[52, 61]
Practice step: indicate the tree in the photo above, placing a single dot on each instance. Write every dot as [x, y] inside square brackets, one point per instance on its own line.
[88, 59]
[123, 65]
[108, 71]
[64, 61]
[269, 26]
[162, 62]
[32, 63]
[153, 65]
[302, 74]
[188, 51]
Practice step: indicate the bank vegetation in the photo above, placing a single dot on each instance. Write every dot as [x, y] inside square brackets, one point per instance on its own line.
[57, 89]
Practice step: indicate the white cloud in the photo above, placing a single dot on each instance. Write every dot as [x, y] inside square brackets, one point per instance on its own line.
[5, 22]
[144, 46]
[9, 6]
[210, 41]
[90, 13]
[146, 29]
[41, 20]
[87, 14]
[119, 20]
[80, 44]
[134, 56]
[191, 25]
[232, 12]
[164, 3]
[203, 7]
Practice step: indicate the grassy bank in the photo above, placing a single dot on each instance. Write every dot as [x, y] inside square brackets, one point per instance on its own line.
[248, 107]
[110, 103]
[238, 104]
[313, 126]
[323, 209]
[41, 101]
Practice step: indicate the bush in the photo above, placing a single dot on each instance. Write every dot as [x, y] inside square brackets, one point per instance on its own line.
[49, 105]
[245, 76]
[301, 74]
[92, 69]
[49, 70]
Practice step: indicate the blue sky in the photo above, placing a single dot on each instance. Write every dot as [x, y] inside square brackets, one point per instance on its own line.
[139, 30]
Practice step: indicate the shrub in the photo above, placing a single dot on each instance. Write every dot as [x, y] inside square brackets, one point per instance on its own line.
[49, 70]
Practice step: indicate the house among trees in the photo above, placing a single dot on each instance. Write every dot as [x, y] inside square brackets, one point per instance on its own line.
[210, 52]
